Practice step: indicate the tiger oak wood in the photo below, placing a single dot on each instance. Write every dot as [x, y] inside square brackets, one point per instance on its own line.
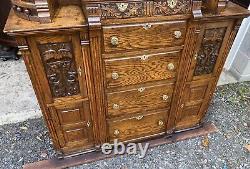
[126, 70]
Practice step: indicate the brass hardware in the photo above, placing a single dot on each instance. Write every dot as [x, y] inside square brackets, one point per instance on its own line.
[177, 34]
[80, 71]
[116, 132]
[165, 97]
[160, 123]
[139, 117]
[144, 57]
[115, 75]
[114, 41]
[88, 124]
[141, 89]
[147, 26]
[116, 106]
[172, 3]
[122, 6]
[171, 66]
[196, 56]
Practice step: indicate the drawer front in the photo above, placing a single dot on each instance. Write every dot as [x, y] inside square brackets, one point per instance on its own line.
[144, 36]
[141, 69]
[139, 100]
[138, 126]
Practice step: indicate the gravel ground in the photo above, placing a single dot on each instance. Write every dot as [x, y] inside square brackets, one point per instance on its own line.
[230, 111]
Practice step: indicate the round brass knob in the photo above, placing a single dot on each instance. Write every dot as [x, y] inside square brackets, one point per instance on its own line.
[160, 123]
[116, 132]
[165, 97]
[177, 34]
[116, 106]
[171, 66]
[114, 41]
[115, 75]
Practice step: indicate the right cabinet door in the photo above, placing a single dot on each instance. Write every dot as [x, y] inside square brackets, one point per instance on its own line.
[209, 56]
[210, 50]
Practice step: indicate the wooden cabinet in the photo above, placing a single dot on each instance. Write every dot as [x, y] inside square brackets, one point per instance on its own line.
[129, 70]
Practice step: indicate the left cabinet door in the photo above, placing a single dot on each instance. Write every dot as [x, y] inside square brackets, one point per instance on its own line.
[59, 68]
[59, 65]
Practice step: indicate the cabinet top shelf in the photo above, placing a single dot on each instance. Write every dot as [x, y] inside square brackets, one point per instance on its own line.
[66, 17]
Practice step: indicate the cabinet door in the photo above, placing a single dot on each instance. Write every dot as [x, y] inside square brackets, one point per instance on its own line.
[73, 125]
[194, 103]
[210, 49]
[59, 66]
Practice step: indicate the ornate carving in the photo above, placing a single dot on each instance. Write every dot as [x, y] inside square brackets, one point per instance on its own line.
[209, 51]
[121, 10]
[171, 7]
[60, 68]
[111, 10]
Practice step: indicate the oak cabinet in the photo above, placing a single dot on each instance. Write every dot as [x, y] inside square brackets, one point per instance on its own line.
[132, 70]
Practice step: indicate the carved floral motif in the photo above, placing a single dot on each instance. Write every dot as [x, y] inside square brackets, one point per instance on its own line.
[122, 10]
[60, 69]
[171, 7]
[209, 51]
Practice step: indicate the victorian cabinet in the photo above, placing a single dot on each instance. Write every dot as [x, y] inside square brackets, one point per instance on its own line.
[126, 70]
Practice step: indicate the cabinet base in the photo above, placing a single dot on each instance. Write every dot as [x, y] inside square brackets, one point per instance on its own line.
[206, 128]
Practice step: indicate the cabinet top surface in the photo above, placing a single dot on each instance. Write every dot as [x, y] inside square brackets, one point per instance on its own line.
[65, 17]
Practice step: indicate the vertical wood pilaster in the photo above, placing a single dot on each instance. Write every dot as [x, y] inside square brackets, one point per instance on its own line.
[95, 36]
[185, 63]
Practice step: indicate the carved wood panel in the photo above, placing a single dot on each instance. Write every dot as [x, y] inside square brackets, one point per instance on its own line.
[171, 7]
[122, 10]
[209, 50]
[60, 68]
[131, 9]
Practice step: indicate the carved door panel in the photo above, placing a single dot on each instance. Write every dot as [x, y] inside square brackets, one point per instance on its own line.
[209, 51]
[59, 65]
[73, 125]
[194, 102]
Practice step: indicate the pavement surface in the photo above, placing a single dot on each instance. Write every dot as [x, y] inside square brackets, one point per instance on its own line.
[28, 141]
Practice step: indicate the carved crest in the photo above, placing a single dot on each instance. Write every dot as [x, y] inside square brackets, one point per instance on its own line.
[122, 6]
[172, 3]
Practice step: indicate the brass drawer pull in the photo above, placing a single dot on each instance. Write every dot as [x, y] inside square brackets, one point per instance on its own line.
[144, 57]
[139, 117]
[116, 132]
[88, 124]
[116, 106]
[177, 34]
[160, 123]
[165, 97]
[114, 41]
[141, 89]
[115, 75]
[171, 66]
[147, 26]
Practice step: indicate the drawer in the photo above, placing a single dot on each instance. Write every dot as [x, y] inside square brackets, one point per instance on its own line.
[139, 100]
[138, 126]
[144, 36]
[141, 69]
